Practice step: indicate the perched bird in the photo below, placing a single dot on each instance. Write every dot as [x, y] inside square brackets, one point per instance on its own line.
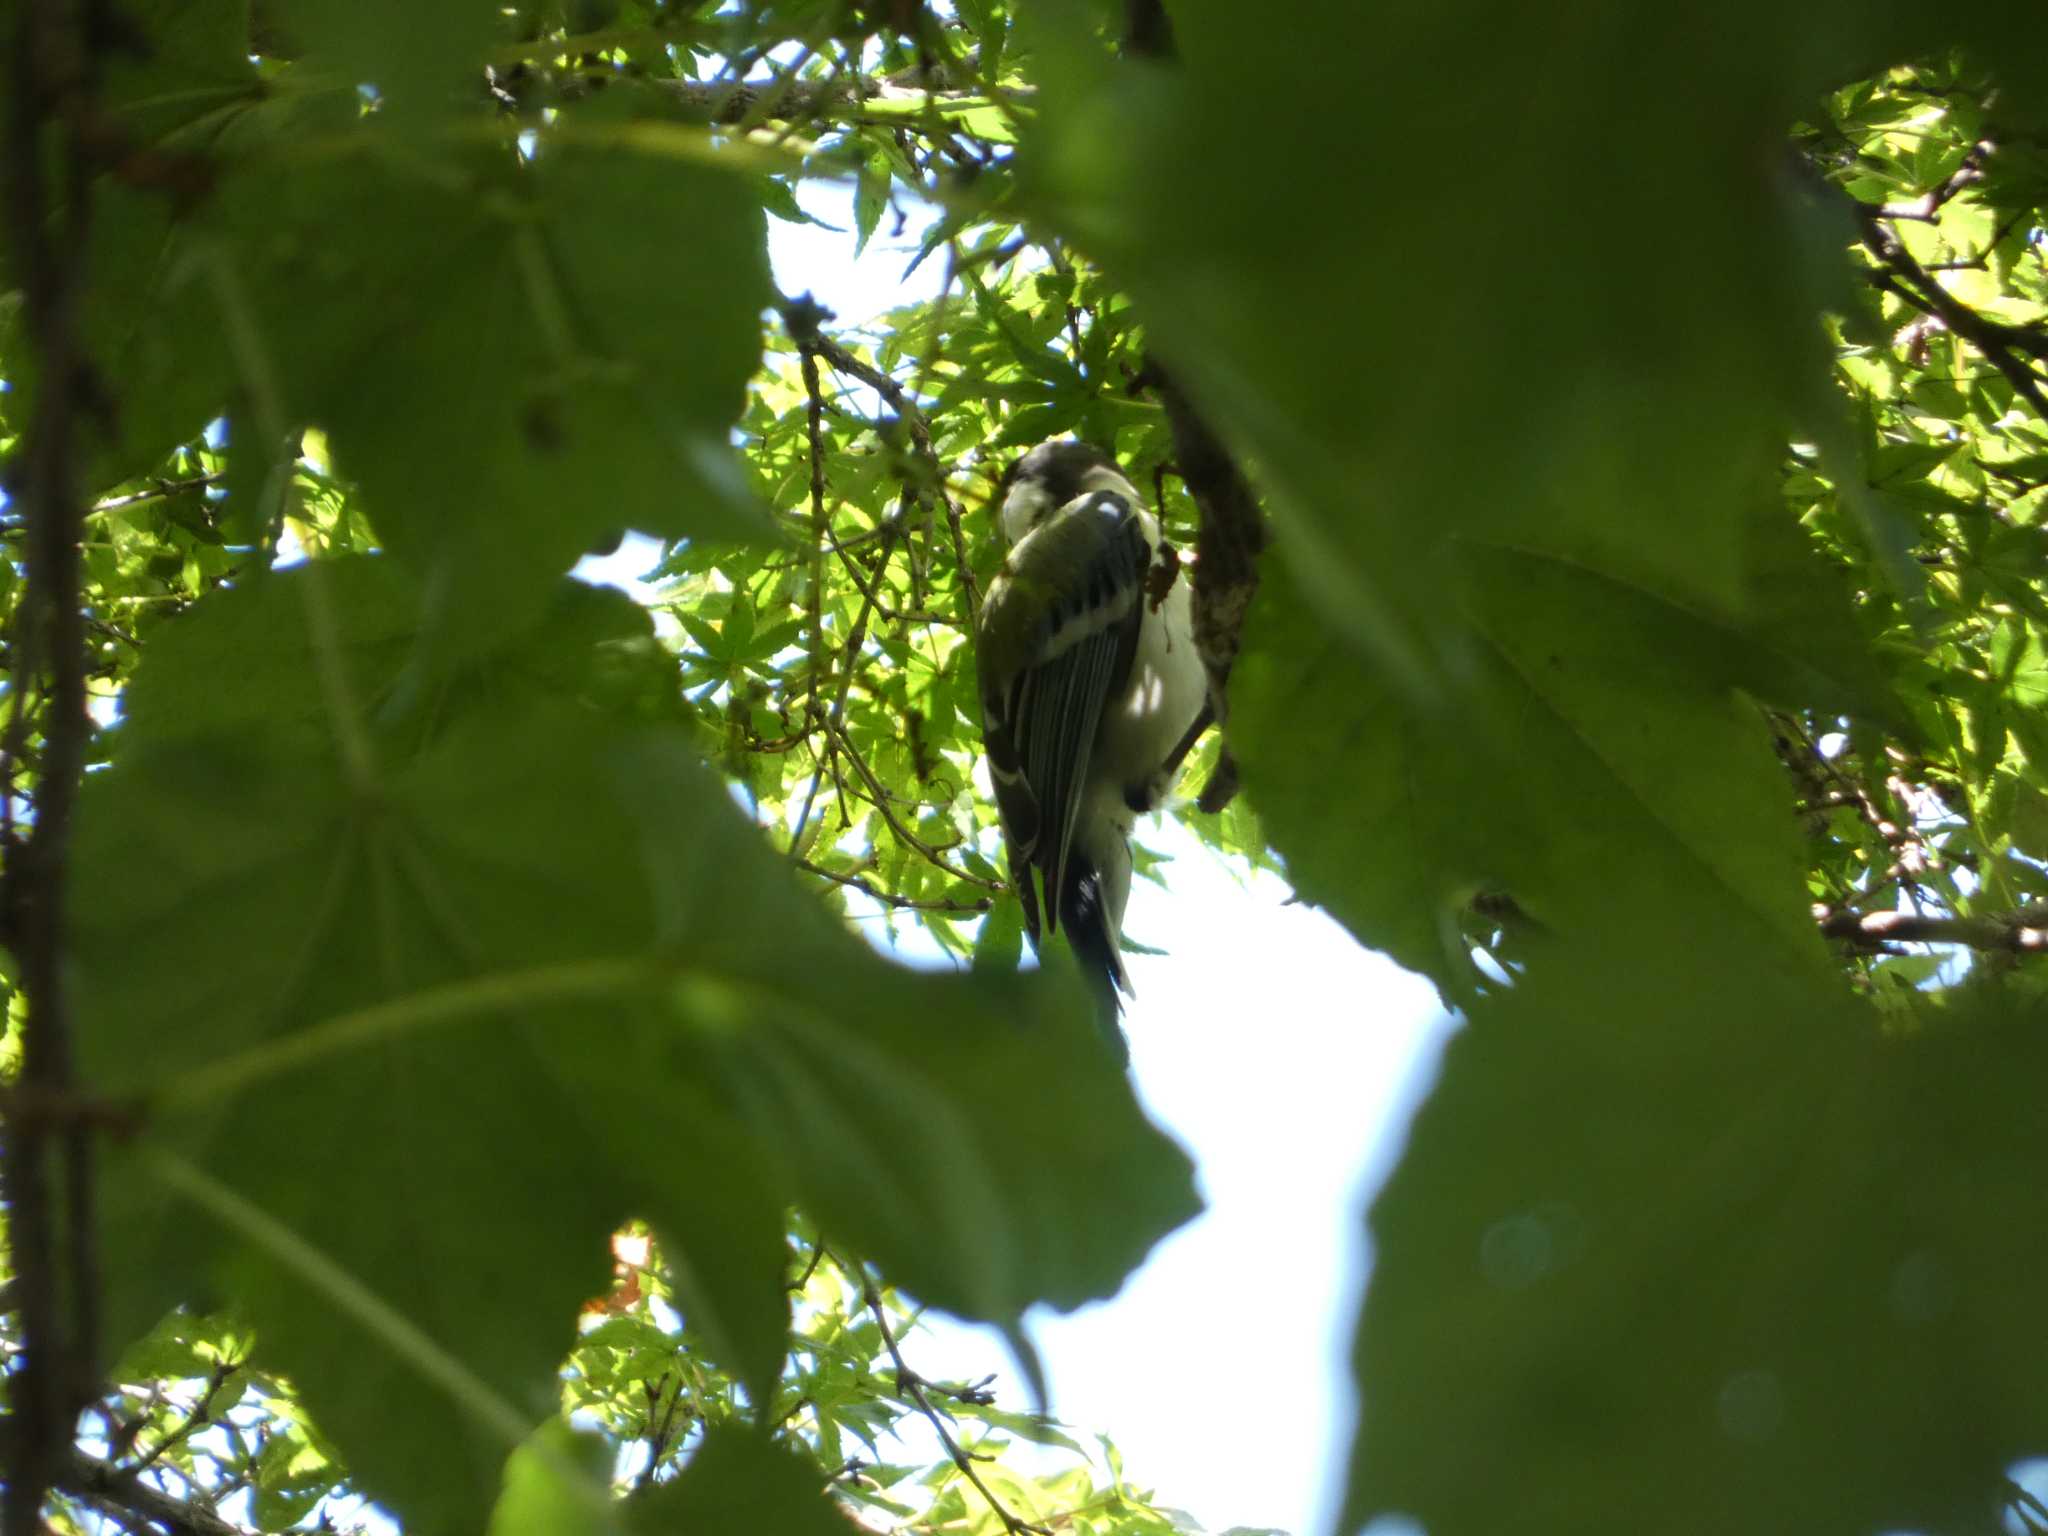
[1091, 693]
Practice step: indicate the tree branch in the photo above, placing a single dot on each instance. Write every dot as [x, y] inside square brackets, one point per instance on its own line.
[102, 1484]
[122, 1488]
[803, 324]
[1233, 529]
[2019, 933]
[731, 103]
[1902, 276]
[1227, 548]
[159, 490]
[51, 88]
[821, 530]
[2006, 933]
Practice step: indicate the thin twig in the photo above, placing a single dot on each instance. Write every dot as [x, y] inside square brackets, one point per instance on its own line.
[818, 1254]
[1902, 841]
[833, 735]
[912, 1386]
[200, 1414]
[879, 798]
[803, 319]
[821, 530]
[890, 898]
[658, 1440]
[160, 490]
[899, 400]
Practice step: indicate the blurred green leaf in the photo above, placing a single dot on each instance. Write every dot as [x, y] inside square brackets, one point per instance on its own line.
[513, 397]
[1628, 404]
[556, 1484]
[419, 61]
[740, 1481]
[389, 935]
[1686, 1254]
[1602, 774]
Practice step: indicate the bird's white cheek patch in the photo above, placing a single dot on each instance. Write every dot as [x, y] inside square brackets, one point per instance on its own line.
[1023, 508]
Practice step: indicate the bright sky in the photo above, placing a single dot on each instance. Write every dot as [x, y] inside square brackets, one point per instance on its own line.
[1283, 1056]
[1286, 1059]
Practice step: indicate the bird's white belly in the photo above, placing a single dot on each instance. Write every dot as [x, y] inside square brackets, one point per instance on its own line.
[1167, 686]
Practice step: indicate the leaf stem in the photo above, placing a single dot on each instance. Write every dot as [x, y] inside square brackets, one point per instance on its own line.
[350, 1296]
[437, 1005]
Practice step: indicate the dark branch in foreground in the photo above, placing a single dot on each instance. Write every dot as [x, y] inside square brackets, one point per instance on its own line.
[122, 1492]
[47, 1166]
[1233, 529]
[1233, 532]
[104, 1485]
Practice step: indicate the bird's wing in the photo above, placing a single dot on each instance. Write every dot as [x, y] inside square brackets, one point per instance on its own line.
[1058, 630]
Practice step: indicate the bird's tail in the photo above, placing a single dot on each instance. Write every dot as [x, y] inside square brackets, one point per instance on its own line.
[1092, 933]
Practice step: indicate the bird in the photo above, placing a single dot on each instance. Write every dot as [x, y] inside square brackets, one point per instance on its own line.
[1092, 693]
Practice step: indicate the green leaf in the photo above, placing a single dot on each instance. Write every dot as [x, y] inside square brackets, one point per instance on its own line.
[327, 904]
[1000, 944]
[422, 935]
[1683, 1251]
[1593, 774]
[293, 1475]
[193, 66]
[778, 198]
[422, 61]
[184, 96]
[593, 648]
[893, 1137]
[1580, 398]
[171, 1349]
[870, 197]
[557, 1484]
[493, 362]
[249, 890]
[742, 1482]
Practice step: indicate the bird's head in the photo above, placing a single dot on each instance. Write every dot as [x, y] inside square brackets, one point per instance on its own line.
[1042, 481]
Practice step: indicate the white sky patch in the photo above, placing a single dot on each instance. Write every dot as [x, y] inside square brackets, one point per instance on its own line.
[291, 550]
[820, 262]
[1287, 1060]
[627, 568]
